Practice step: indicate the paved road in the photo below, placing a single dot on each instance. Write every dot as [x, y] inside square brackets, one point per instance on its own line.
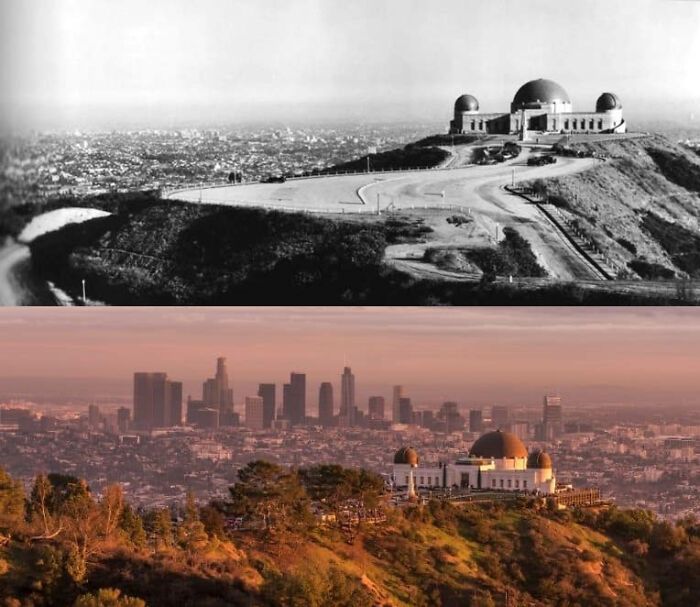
[12, 292]
[480, 188]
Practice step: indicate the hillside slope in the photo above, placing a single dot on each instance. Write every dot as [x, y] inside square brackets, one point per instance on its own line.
[640, 207]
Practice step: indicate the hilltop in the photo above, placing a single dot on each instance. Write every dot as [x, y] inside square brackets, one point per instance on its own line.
[637, 208]
[438, 554]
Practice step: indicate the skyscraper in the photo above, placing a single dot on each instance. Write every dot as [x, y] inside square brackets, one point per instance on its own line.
[476, 423]
[267, 392]
[449, 413]
[376, 407]
[254, 412]
[123, 419]
[396, 403]
[405, 411]
[294, 399]
[157, 401]
[552, 417]
[174, 403]
[216, 393]
[347, 398]
[325, 404]
[499, 416]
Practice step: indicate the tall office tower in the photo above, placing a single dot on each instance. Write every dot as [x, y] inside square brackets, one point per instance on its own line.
[405, 411]
[94, 417]
[174, 397]
[499, 416]
[149, 400]
[287, 402]
[325, 404]
[297, 394]
[376, 407]
[123, 419]
[476, 423]
[347, 398]
[552, 417]
[267, 392]
[395, 404]
[193, 409]
[449, 413]
[216, 393]
[254, 412]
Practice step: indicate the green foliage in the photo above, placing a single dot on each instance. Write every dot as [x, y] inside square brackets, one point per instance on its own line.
[11, 501]
[651, 271]
[213, 521]
[159, 524]
[623, 242]
[334, 485]
[677, 169]
[682, 244]
[108, 597]
[270, 495]
[513, 257]
[131, 525]
[413, 156]
[311, 589]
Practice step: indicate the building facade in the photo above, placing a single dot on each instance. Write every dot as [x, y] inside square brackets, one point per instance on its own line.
[497, 461]
[539, 106]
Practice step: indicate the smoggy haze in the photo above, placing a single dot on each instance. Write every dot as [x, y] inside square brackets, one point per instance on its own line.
[73, 63]
[469, 354]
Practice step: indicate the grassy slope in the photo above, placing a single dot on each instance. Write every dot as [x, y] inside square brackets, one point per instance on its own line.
[415, 561]
[612, 200]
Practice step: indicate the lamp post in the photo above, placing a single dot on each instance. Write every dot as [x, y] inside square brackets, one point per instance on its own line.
[84, 298]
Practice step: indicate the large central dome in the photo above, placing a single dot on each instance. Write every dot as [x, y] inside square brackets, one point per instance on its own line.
[540, 91]
[498, 445]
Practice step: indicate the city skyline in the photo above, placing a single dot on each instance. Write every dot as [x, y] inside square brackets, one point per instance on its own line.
[471, 356]
[85, 64]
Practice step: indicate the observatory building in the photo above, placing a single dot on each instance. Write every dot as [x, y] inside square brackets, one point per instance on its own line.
[542, 106]
[497, 461]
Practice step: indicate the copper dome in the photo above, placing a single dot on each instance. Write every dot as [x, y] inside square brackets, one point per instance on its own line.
[607, 102]
[540, 91]
[539, 459]
[406, 455]
[466, 103]
[498, 445]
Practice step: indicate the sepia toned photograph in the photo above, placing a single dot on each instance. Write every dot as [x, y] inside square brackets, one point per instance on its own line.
[317, 152]
[350, 457]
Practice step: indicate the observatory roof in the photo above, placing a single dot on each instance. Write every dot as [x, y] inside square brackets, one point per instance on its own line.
[540, 91]
[406, 455]
[608, 101]
[466, 103]
[498, 445]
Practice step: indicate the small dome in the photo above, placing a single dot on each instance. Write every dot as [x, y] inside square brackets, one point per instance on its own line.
[406, 455]
[466, 103]
[498, 445]
[539, 459]
[607, 102]
[539, 92]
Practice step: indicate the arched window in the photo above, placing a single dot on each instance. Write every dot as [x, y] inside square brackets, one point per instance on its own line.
[575, 126]
[590, 125]
[600, 125]
[566, 125]
[473, 124]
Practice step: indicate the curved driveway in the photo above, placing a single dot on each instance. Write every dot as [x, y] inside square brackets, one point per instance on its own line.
[480, 188]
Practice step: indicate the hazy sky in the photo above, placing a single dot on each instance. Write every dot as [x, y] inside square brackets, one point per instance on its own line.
[479, 355]
[101, 62]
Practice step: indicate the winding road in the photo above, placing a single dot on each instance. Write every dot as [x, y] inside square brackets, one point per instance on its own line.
[478, 188]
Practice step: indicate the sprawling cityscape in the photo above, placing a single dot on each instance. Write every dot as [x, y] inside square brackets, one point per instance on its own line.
[164, 443]
[46, 165]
